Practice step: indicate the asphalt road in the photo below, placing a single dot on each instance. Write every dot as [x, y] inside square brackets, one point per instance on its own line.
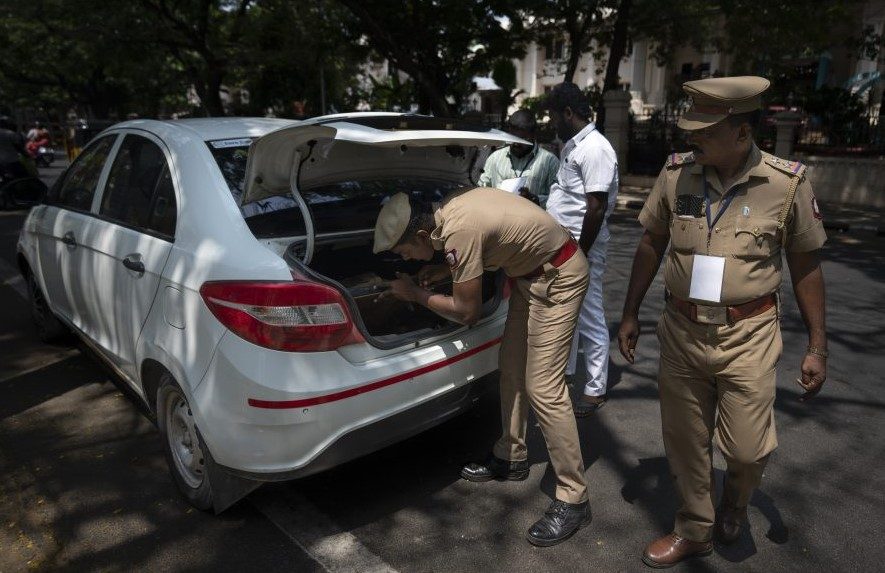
[84, 487]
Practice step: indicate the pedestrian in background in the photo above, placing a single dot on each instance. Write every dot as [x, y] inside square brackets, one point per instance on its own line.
[528, 170]
[12, 150]
[727, 210]
[581, 200]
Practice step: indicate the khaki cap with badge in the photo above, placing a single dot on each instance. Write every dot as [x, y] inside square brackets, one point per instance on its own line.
[393, 220]
[714, 99]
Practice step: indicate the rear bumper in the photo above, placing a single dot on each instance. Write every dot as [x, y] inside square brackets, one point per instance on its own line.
[273, 415]
[384, 432]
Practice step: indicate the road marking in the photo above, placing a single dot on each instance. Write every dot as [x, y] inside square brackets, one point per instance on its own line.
[11, 277]
[337, 551]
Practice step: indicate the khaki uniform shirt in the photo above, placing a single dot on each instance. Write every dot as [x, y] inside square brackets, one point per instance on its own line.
[746, 234]
[487, 229]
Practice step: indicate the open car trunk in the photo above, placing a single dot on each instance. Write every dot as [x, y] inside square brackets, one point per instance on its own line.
[312, 193]
[364, 277]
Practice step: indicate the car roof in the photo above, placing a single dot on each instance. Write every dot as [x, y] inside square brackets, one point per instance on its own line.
[212, 128]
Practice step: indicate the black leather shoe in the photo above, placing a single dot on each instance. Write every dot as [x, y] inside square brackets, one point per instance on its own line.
[729, 523]
[560, 521]
[495, 468]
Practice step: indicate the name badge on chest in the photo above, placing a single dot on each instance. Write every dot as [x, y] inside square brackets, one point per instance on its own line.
[707, 275]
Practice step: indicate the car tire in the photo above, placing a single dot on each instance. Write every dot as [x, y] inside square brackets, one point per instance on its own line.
[183, 446]
[49, 327]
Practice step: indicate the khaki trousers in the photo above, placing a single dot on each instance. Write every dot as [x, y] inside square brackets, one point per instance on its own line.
[717, 383]
[534, 353]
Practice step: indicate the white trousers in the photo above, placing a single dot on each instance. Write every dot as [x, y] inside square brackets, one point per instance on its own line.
[591, 333]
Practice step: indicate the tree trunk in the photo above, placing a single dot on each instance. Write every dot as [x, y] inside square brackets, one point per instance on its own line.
[618, 47]
[212, 92]
[574, 55]
[616, 53]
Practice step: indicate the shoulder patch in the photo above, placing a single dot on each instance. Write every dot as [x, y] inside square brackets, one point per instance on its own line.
[792, 168]
[452, 258]
[679, 159]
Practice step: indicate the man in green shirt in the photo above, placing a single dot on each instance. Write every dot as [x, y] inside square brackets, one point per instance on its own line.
[527, 170]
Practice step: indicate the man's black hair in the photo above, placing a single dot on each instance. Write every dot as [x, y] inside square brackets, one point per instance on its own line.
[568, 95]
[523, 119]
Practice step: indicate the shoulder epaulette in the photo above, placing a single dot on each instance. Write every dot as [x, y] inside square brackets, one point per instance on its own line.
[791, 168]
[679, 159]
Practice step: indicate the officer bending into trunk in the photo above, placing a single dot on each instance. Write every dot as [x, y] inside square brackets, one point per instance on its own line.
[484, 228]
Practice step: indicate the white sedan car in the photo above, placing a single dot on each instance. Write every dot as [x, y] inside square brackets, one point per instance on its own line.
[223, 268]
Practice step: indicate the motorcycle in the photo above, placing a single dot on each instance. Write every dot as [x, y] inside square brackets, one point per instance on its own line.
[44, 156]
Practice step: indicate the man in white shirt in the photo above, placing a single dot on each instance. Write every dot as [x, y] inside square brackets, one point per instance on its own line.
[582, 198]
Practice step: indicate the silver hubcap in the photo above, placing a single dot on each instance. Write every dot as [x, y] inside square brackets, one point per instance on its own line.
[182, 435]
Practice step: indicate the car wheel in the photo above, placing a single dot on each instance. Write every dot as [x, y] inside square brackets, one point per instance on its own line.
[4, 200]
[184, 447]
[49, 327]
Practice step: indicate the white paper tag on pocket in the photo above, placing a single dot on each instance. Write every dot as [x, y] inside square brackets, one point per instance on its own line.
[707, 274]
[512, 185]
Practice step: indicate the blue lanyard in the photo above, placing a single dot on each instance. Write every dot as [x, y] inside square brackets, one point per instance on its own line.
[528, 163]
[723, 205]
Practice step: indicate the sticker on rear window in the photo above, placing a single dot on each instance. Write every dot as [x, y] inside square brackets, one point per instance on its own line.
[225, 143]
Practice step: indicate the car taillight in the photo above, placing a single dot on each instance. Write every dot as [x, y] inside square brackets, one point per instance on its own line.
[294, 315]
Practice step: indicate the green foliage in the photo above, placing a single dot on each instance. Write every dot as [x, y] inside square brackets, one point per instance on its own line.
[108, 58]
[440, 44]
[764, 36]
[836, 112]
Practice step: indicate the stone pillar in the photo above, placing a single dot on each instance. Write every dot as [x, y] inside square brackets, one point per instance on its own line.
[786, 122]
[617, 126]
[640, 57]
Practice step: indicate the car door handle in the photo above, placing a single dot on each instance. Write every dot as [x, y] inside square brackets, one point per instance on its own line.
[68, 239]
[133, 265]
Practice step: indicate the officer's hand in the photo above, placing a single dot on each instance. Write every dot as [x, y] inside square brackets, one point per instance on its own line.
[403, 288]
[628, 335]
[430, 274]
[814, 374]
[524, 192]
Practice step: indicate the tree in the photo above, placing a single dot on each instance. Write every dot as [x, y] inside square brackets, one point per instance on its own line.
[440, 44]
[579, 21]
[504, 74]
[114, 57]
[53, 58]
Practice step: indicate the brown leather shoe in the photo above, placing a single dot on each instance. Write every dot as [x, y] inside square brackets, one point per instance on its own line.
[729, 522]
[672, 549]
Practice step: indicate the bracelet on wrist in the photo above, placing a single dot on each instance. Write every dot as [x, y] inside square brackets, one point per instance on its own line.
[822, 352]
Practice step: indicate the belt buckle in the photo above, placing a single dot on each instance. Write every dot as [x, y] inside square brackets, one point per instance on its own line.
[717, 315]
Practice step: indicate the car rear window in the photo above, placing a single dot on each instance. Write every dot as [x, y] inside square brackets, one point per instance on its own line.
[337, 207]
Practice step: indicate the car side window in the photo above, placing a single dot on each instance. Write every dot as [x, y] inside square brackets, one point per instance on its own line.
[139, 170]
[164, 210]
[78, 187]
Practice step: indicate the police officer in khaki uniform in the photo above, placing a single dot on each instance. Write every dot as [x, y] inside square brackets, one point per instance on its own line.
[485, 229]
[727, 210]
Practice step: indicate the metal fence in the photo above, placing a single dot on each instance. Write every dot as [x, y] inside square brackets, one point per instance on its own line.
[861, 136]
[653, 136]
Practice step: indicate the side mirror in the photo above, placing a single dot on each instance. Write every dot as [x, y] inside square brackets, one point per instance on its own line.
[27, 191]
